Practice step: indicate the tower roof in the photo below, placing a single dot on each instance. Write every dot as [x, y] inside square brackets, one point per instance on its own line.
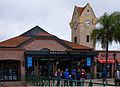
[80, 9]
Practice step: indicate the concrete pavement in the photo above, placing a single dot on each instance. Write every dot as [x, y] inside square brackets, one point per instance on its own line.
[99, 82]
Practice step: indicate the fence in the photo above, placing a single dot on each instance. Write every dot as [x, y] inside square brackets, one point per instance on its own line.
[50, 81]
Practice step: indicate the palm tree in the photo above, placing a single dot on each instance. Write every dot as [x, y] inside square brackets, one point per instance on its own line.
[108, 31]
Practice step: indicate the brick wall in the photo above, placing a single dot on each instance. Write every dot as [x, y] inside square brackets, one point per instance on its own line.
[40, 44]
[10, 54]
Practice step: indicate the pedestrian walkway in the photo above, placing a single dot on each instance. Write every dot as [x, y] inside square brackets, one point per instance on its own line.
[99, 82]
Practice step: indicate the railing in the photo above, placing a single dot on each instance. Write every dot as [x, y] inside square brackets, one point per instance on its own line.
[50, 81]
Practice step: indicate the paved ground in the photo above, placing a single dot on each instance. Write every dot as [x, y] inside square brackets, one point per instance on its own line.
[99, 82]
[96, 82]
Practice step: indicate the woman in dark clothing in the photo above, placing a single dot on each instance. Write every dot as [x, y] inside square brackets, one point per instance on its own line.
[104, 76]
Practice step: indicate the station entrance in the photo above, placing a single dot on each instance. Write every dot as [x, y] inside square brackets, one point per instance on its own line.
[45, 63]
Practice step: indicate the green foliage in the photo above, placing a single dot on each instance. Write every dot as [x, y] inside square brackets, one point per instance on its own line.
[107, 23]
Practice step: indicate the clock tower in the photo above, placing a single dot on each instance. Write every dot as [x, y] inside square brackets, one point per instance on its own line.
[82, 24]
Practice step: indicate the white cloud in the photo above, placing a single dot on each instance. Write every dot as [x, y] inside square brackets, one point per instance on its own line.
[18, 16]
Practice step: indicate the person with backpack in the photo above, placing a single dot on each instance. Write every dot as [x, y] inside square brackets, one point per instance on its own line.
[66, 74]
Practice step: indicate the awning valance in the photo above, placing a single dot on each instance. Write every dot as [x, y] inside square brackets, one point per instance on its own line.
[110, 60]
[101, 60]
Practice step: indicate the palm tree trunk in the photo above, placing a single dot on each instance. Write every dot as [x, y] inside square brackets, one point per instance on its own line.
[106, 51]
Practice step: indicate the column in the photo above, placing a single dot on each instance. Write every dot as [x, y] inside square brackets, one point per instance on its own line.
[112, 73]
[54, 67]
[22, 68]
[36, 68]
[95, 67]
[48, 66]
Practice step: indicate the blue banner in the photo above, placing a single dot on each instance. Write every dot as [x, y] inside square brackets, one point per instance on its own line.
[29, 61]
[88, 61]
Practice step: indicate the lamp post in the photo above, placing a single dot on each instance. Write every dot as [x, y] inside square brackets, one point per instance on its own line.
[114, 55]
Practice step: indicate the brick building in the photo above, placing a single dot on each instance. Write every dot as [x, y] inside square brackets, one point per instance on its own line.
[37, 50]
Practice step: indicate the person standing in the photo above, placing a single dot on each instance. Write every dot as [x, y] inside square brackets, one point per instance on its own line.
[78, 77]
[83, 76]
[61, 74]
[73, 73]
[57, 73]
[66, 74]
[104, 76]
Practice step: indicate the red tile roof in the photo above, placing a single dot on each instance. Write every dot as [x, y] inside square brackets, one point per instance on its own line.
[76, 46]
[13, 42]
[22, 39]
[80, 10]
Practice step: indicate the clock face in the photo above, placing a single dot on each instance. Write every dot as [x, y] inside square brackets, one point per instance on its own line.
[87, 23]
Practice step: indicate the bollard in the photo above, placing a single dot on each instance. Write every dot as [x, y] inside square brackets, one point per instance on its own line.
[90, 83]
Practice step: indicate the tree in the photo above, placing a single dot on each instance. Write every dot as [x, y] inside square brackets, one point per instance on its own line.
[107, 31]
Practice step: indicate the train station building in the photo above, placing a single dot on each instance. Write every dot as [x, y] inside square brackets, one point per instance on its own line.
[37, 50]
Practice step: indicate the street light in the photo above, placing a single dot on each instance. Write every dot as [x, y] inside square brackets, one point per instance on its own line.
[114, 55]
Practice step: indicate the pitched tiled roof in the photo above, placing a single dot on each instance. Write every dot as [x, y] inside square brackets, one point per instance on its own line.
[76, 46]
[41, 34]
[80, 9]
[13, 42]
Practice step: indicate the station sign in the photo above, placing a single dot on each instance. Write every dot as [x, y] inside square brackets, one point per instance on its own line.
[29, 61]
[58, 52]
[88, 61]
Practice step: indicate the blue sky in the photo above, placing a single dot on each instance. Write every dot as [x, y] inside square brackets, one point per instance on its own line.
[18, 16]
